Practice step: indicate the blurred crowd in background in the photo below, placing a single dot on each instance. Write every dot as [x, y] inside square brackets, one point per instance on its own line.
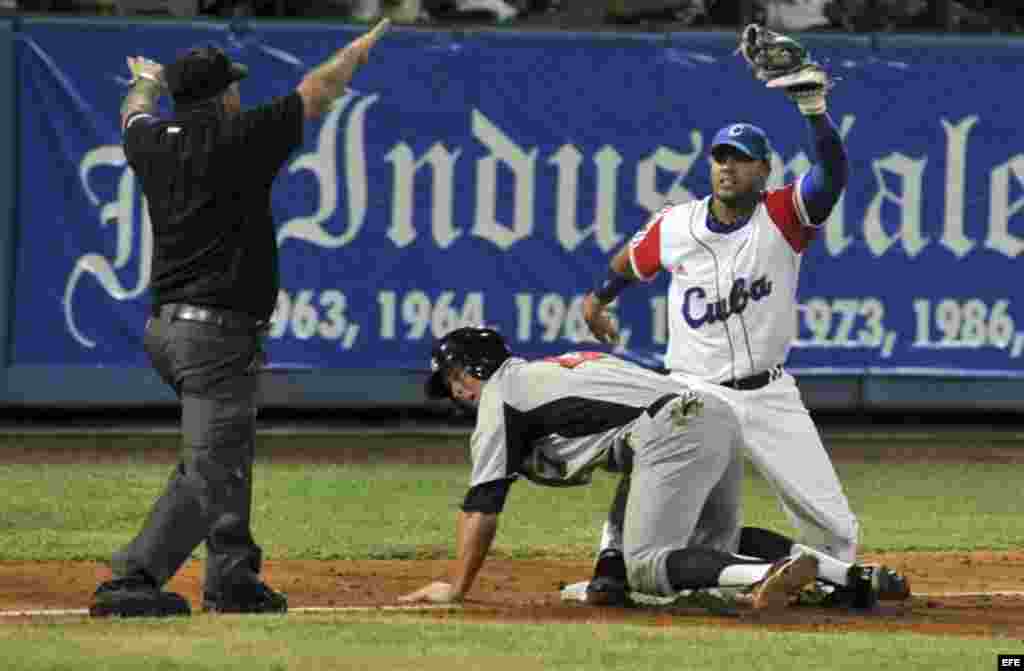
[975, 16]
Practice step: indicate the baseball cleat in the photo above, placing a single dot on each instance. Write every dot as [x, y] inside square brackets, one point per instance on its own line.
[246, 597]
[609, 586]
[783, 582]
[892, 585]
[862, 592]
[136, 596]
[874, 582]
[869, 584]
[605, 591]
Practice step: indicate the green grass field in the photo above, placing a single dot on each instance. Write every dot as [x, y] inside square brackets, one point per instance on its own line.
[381, 511]
[389, 511]
[404, 642]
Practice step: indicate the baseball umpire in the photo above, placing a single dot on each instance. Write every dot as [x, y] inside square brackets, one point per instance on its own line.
[558, 419]
[207, 175]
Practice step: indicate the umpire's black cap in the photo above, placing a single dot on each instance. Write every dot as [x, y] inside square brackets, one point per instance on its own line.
[200, 74]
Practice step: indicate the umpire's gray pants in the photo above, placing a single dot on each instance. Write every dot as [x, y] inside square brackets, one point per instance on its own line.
[677, 466]
[209, 495]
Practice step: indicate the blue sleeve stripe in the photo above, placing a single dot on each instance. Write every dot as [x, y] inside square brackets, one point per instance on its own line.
[800, 206]
[821, 187]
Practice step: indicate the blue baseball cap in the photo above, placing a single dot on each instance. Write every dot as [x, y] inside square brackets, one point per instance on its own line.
[748, 138]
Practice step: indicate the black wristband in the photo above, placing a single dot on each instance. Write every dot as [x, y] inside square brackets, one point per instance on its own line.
[612, 287]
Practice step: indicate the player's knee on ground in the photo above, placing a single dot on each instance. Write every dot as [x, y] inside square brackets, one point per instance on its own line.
[669, 571]
[698, 567]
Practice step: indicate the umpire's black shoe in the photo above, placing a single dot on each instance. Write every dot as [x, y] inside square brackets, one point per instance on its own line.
[136, 596]
[246, 597]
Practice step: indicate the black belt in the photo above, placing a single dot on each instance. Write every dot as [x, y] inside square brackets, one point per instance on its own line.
[229, 319]
[754, 381]
[654, 408]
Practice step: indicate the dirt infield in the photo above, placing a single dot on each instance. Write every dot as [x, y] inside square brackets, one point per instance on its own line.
[514, 590]
[968, 594]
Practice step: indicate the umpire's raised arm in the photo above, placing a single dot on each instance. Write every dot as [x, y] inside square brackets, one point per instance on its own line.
[147, 86]
[325, 83]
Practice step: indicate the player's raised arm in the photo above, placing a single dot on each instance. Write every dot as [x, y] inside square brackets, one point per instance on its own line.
[325, 83]
[821, 187]
[782, 63]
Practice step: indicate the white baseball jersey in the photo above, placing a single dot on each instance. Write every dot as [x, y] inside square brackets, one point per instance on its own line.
[732, 297]
[732, 314]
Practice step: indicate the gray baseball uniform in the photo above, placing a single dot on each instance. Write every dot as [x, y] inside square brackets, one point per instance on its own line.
[556, 420]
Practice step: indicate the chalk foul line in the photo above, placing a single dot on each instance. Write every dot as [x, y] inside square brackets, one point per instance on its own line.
[412, 608]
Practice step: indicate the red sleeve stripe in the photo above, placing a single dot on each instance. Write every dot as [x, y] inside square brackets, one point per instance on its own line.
[645, 251]
[783, 213]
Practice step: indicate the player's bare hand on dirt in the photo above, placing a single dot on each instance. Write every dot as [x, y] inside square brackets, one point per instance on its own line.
[601, 325]
[361, 46]
[435, 592]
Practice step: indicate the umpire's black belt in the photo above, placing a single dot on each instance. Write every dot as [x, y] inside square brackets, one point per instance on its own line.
[754, 381]
[228, 319]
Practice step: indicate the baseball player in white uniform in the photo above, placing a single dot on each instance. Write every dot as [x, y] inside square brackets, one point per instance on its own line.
[734, 260]
[556, 420]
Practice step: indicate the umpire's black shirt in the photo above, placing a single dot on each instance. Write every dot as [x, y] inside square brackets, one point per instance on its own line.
[208, 183]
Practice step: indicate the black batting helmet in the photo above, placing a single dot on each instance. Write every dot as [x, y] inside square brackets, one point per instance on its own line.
[478, 351]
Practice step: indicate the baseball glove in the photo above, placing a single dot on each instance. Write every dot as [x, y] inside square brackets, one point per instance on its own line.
[783, 63]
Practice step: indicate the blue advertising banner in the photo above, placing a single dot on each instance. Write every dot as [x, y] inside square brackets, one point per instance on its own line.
[488, 177]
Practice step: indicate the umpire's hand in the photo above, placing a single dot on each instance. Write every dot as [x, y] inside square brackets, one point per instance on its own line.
[144, 68]
[362, 45]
